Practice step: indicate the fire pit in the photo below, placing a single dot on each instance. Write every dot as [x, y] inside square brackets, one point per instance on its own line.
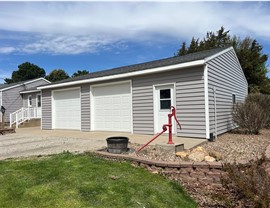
[117, 145]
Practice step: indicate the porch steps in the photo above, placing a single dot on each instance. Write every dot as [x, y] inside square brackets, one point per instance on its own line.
[30, 123]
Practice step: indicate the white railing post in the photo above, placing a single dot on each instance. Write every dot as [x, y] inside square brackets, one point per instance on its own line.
[28, 113]
[17, 121]
[35, 112]
[10, 120]
[22, 115]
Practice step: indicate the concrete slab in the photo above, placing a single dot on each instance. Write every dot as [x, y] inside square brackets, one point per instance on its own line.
[34, 141]
[102, 135]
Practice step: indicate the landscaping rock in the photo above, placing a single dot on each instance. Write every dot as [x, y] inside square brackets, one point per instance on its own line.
[182, 154]
[197, 156]
[215, 154]
[209, 159]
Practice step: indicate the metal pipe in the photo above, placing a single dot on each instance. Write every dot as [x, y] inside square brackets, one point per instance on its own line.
[164, 129]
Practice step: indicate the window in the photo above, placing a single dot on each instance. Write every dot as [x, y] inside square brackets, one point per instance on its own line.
[233, 99]
[29, 100]
[165, 99]
[38, 100]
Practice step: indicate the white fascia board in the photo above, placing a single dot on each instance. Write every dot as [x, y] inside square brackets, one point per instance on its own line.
[206, 101]
[29, 91]
[25, 83]
[218, 54]
[129, 74]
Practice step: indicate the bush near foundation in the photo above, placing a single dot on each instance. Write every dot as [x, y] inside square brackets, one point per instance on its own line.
[249, 184]
[264, 102]
[254, 114]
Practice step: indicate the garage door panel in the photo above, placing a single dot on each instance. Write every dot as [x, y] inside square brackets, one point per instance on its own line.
[112, 107]
[67, 109]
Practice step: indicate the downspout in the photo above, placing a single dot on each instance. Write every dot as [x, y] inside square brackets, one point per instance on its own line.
[206, 101]
[215, 111]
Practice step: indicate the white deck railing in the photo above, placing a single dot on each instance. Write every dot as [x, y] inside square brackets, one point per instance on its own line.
[24, 114]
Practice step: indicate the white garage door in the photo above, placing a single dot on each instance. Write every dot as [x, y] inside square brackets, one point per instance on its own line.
[111, 107]
[66, 113]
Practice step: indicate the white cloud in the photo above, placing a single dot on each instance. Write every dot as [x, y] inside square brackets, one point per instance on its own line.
[77, 27]
[6, 50]
[66, 44]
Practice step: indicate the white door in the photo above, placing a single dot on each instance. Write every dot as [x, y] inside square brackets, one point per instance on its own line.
[164, 99]
[111, 107]
[66, 109]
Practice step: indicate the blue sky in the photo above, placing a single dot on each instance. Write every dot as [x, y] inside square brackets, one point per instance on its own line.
[97, 36]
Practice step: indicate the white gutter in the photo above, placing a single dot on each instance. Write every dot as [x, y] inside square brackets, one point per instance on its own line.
[206, 101]
[29, 91]
[125, 75]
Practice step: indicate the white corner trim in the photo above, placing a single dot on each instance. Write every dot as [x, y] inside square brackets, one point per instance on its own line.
[131, 102]
[206, 101]
[92, 113]
[129, 74]
[218, 54]
[1, 98]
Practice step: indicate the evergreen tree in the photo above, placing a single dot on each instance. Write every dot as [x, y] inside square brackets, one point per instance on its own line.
[57, 75]
[249, 53]
[26, 71]
[80, 73]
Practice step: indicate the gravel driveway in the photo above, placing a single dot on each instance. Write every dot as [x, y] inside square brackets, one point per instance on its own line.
[18, 145]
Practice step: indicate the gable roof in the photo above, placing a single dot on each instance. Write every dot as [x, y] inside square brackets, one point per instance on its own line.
[188, 60]
[16, 84]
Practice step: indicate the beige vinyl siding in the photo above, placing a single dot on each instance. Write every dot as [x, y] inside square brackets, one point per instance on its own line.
[226, 75]
[12, 100]
[46, 109]
[85, 107]
[189, 101]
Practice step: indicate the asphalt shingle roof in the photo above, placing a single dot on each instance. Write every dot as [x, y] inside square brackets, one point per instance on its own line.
[3, 86]
[147, 65]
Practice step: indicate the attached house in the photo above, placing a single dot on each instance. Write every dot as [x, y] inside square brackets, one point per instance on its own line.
[203, 87]
[15, 96]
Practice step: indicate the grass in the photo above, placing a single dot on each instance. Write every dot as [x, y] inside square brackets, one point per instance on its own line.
[68, 180]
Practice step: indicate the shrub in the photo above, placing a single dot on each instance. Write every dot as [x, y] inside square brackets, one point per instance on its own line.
[264, 102]
[250, 184]
[249, 116]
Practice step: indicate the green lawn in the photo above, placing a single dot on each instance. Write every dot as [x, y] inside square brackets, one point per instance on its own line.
[68, 180]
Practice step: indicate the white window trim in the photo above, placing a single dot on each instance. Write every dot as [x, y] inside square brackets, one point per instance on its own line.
[39, 94]
[234, 99]
[28, 101]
